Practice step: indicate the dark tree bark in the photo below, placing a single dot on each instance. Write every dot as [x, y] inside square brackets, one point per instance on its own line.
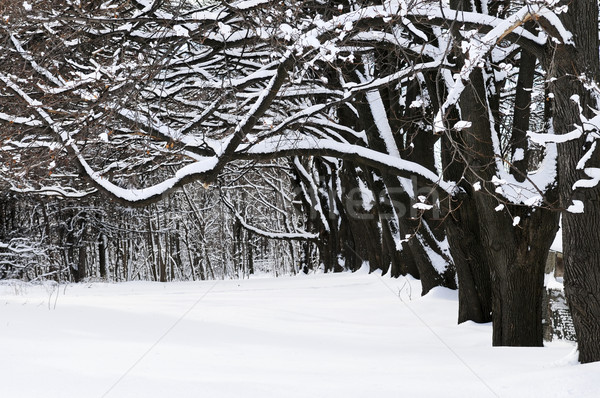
[517, 257]
[102, 254]
[522, 115]
[515, 254]
[414, 257]
[581, 232]
[462, 226]
[82, 271]
[365, 240]
[472, 268]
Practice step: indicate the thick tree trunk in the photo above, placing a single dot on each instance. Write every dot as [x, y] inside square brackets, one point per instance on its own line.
[517, 258]
[581, 232]
[581, 245]
[514, 251]
[360, 232]
[464, 233]
[517, 302]
[472, 268]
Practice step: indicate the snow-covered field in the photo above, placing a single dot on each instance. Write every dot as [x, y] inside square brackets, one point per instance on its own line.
[344, 335]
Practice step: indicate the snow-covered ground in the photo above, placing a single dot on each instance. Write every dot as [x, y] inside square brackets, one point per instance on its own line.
[344, 335]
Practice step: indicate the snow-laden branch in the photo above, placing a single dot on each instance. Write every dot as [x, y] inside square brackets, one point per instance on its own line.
[26, 121]
[55, 191]
[380, 118]
[477, 49]
[589, 129]
[276, 235]
[430, 12]
[21, 247]
[259, 82]
[280, 147]
[351, 89]
[129, 195]
[205, 168]
[545, 138]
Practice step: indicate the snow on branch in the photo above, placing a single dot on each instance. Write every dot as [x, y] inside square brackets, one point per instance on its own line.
[589, 130]
[213, 56]
[278, 147]
[432, 11]
[276, 235]
[544, 138]
[477, 49]
[63, 192]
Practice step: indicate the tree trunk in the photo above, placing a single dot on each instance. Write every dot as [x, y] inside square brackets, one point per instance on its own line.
[472, 268]
[102, 254]
[515, 251]
[517, 257]
[581, 232]
[82, 253]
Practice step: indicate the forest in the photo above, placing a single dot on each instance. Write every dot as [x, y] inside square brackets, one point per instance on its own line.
[172, 140]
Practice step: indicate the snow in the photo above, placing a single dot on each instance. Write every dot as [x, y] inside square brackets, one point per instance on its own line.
[29, 121]
[557, 243]
[383, 81]
[350, 335]
[422, 206]
[55, 190]
[551, 283]
[542, 138]
[586, 157]
[433, 10]
[565, 36]
[380, 117]
[533, 201]
[519, 155]
[224, 29]
[593, 173]
[462, 124]
[576, 207]
[367, 199]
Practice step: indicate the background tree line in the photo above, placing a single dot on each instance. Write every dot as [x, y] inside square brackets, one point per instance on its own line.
[192, 235]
